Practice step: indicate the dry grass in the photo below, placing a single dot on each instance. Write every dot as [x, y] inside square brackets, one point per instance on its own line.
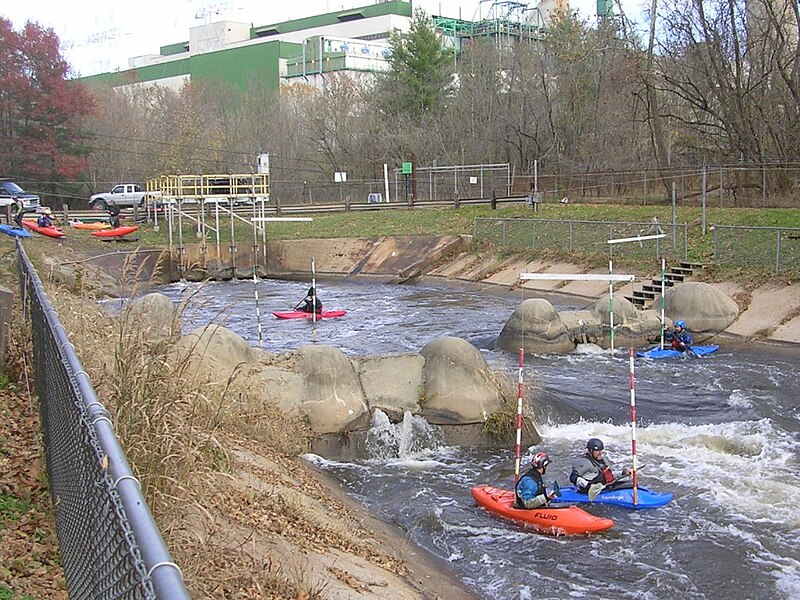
[239, 526]
[502, 424]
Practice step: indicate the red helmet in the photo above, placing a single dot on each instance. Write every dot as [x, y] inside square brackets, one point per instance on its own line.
[540, 460]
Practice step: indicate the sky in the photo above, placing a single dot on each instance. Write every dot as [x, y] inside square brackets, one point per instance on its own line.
[100, 36]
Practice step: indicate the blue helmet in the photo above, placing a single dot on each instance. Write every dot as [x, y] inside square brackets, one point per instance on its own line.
[680, 323]
[594, 444]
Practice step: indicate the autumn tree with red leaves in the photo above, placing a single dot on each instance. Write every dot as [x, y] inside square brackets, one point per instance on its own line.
[40, 109]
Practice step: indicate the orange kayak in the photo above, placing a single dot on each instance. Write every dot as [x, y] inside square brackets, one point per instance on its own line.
[53, 232]
[93, 226]
[557, 520]
[119, 231]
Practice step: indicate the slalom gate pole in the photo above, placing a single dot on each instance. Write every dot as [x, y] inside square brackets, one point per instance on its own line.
[663, 325]
[314, 301]
[519, 416]
[611, 305]
[258, 310]
[633, 429]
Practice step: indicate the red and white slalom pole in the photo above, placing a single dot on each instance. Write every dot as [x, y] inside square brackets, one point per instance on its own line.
[519, 416]
[633, 428]
[663, 284]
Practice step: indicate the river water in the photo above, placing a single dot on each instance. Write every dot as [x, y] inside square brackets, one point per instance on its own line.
[722, 433]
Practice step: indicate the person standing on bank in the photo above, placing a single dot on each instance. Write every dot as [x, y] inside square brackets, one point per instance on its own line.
[113, 214]
[593, 469]
[530, 491]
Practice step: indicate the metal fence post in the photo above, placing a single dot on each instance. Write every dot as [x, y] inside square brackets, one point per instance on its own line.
[571, 235]
[714, 253]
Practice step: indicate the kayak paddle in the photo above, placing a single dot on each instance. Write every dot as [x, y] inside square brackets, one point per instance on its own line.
[556, 489]
[595, 489]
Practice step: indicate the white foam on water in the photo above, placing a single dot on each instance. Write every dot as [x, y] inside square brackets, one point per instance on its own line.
[411, 442]
[590, 349]
[744, 467]
[739, 399]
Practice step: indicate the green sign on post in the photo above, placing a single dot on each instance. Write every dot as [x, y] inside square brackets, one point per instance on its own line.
[407, 168]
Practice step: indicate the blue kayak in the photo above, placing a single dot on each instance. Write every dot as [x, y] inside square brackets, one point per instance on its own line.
[624, 497]
[670, 353]
[15, 231]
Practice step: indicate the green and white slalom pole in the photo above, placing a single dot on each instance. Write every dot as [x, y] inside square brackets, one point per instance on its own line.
[519, 417]
[611, 305]
[258, 310]
[663, 283]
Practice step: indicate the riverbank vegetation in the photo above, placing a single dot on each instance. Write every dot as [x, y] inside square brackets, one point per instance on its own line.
[217, 464]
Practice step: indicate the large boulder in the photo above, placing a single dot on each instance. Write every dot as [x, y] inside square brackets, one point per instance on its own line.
[214, 353]
[392, 383]
[631, 326]
[276, 385]
[706, 309]
[459, 386]
[536, 327]
[154, 316]
[333, 398]
[584, 326]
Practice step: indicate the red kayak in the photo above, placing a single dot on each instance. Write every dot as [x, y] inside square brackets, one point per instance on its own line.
[299, 314]
[53, 232]
[119, 231]
[569, 519]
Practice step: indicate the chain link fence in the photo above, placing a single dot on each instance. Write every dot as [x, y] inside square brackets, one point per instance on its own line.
[775, 248]
[109, 544]
[588, 238]
[424, 184]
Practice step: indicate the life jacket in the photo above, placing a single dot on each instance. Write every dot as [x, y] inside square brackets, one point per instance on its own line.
[605, 476]
[540, 489]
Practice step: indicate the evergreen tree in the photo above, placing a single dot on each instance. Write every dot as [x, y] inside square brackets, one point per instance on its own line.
[421, 74]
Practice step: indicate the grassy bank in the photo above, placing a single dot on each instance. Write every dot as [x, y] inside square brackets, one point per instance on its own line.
[449, 221]
[740, 249]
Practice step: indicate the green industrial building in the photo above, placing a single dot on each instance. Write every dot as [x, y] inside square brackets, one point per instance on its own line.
[243, 56]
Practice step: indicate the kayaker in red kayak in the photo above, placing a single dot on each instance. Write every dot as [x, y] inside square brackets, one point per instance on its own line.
[45, 219]
[530, 491]
[311, 303]
[593, 469]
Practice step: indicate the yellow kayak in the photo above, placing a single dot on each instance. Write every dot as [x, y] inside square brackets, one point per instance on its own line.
[94, 226]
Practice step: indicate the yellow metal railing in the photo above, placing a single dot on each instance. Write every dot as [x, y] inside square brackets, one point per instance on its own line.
[180, 187]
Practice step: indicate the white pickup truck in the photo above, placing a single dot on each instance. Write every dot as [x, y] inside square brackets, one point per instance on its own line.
[124, 195]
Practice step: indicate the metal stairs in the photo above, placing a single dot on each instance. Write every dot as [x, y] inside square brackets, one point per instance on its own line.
[643, 298]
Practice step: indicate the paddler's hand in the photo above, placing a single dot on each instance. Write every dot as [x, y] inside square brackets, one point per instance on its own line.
[551, 495]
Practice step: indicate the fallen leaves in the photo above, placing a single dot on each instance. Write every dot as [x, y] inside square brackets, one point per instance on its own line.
[29, 548]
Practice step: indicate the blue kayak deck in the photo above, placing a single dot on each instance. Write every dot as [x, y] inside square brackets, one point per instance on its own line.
[15, 231]
[624, 497]
[670, 353]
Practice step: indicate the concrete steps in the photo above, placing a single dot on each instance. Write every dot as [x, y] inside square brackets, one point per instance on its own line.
[643, 297]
